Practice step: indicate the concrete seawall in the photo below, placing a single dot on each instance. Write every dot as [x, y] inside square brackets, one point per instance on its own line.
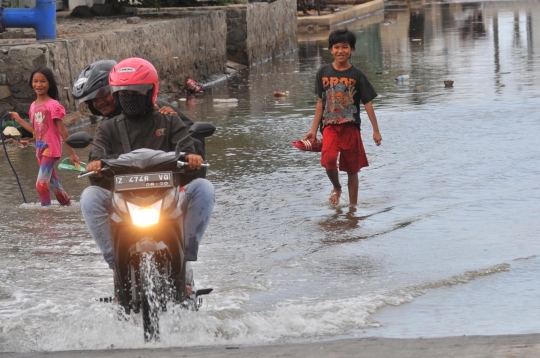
[196, 42]
[313, 24]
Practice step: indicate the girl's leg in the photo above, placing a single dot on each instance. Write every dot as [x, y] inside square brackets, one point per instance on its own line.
[48, 181]
[43, 180]
[56, 187]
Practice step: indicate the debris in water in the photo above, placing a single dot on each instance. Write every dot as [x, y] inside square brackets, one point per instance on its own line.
[192, 87]
[225, 100]
[402, 78]
[448, 83]
[281, 94]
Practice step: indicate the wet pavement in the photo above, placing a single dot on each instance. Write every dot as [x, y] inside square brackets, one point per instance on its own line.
[444, 234]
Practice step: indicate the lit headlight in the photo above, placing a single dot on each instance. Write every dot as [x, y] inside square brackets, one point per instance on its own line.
[145, 215]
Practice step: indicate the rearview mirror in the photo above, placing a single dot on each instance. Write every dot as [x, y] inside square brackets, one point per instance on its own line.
[79, 140]
[202, 129]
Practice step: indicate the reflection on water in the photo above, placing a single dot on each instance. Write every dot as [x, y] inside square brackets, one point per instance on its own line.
[451, 193]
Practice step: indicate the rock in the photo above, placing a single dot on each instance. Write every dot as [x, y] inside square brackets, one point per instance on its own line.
[133, 20]
[82, 11]
[72, 117]
[11, 132]
[23, 107]
[103, 9]
[6, 107]
[4, 92]
[94, 118]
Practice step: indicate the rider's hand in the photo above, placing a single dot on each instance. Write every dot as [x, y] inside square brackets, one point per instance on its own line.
[95, 167]
[194, 161]
[311, 135]
[165, 110]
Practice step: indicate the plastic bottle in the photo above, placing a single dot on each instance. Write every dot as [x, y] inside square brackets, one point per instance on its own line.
[402, 78]
[225, 100]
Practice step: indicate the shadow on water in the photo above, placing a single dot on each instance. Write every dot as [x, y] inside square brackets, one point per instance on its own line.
[344, 219]
[341, 225]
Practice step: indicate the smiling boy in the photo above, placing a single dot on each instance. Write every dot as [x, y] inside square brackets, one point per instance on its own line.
[341, 87]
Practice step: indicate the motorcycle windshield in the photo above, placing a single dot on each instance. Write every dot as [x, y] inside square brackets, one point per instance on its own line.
[142, 160]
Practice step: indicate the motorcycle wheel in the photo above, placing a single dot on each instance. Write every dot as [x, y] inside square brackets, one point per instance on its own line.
[149, 277]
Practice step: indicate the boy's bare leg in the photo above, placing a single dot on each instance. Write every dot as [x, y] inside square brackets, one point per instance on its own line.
[333, 175]
[352, 184]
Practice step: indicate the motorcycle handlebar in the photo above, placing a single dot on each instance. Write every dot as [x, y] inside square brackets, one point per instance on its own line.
[180, 165]
[184, 164]
[87, 174]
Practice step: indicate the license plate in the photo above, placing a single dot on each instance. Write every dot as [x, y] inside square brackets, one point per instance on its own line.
[143, 181]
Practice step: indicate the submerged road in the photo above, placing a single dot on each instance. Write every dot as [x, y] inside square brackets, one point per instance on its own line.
[464, 347]
[444, 241]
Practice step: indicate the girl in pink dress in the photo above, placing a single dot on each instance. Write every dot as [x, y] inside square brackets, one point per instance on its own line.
[47, 125]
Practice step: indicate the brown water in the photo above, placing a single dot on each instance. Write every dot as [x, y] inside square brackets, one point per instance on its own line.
[444, 240]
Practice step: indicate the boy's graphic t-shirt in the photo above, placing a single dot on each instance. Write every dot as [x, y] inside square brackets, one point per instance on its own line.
[48, 139]
[342, 92]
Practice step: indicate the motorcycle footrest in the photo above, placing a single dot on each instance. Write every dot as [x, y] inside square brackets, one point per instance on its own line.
[204, 291]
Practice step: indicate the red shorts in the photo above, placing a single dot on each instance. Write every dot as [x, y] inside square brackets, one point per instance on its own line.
[343, 139]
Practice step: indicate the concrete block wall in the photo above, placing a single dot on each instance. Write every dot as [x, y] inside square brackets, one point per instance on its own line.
[196, 44]
[272, 29]
[179, 48]
[255, 32]
[237, 32]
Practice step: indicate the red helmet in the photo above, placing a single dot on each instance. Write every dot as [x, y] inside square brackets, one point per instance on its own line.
[134, 74]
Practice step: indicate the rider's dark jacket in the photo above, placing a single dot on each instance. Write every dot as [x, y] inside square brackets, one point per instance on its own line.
[155, 131]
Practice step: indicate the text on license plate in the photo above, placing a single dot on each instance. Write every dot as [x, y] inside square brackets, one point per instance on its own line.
[143, 181]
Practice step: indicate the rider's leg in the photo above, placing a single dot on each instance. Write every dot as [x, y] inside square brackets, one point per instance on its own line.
[95, 206]
[196, 204]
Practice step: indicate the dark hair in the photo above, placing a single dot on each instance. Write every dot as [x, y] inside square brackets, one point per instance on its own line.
[53, 87]
[339, 36]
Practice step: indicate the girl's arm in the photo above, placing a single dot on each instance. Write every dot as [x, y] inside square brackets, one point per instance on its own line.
[21, 121]
[65, 134]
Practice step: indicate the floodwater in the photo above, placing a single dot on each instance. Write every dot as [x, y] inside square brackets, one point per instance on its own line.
[444, 241]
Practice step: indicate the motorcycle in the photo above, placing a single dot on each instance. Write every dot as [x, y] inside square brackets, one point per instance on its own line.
[147, 230]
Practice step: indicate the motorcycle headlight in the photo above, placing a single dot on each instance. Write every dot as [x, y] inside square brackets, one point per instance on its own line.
[145, 215]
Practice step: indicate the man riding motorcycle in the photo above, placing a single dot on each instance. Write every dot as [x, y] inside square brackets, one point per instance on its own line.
[92, 88]
[134, 85]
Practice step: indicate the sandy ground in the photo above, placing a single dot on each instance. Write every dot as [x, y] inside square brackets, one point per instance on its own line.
[511, 346]
[69, 27]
